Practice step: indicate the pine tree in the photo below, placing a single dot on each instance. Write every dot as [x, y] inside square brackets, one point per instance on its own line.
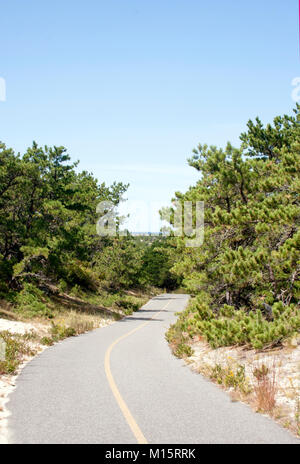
[250, 256]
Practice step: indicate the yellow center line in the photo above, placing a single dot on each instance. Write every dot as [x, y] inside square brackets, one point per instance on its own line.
[122, 405]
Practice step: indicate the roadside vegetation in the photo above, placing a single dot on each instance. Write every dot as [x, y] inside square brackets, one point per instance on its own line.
[17, 348]
[245, 276]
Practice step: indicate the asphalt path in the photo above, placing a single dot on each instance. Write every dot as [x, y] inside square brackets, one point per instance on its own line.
[121, 385]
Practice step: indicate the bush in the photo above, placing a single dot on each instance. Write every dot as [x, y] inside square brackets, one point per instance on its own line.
[60, 331]
[31, 302]
[47, 341]
[16, 348]
[63, 286]
[76, 291]
[128, 304]
[183, 350]
[231, 376]
[229, 327]
[81, 275]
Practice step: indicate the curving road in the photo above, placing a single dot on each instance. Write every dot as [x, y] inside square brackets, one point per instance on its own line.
[121, 385]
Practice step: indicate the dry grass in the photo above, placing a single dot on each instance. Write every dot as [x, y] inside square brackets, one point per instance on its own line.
[17, 348]
[265, 387]
[276, 394]
[81, 322]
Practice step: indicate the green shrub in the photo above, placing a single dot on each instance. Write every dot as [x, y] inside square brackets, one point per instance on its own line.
[76, 291]
[63, 286]
[47, 341]
[16, 348]
[231, 376]
[229, 327]
[128, 304]
[30, 302]
[183, 350]
[60, 331]
[81, 275]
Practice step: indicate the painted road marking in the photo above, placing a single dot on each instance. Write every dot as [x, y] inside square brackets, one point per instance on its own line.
[122, 405]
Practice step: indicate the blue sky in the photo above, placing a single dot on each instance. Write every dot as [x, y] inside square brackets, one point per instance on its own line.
[130, 87]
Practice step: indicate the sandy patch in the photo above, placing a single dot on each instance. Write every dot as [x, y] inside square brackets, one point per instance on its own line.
[16, 327]
[284, 363]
